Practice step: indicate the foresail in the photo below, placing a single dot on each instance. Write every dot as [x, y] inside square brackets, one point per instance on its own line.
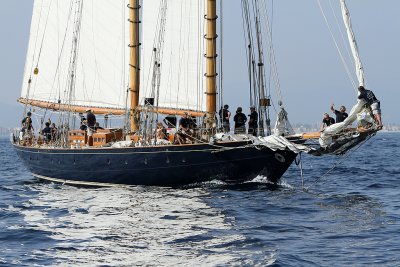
[353, 43]
[175, 29]
[100, 77]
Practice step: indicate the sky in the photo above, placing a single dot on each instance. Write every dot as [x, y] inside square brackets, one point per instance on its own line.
[311, 74]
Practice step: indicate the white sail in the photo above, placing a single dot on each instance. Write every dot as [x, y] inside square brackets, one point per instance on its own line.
[102, 54]
[353, 43]
[181, 53]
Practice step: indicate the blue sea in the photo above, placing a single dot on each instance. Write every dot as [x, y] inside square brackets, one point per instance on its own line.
[347, 213]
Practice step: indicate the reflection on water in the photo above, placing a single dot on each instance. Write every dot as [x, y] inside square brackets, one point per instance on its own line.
[135, 226]
[348, 218]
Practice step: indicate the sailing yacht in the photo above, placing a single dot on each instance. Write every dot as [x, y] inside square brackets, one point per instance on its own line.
[142, 63]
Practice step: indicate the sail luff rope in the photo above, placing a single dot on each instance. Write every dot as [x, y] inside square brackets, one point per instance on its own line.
[337, 46]
[42, 41]
[55, 75]
[33, 58]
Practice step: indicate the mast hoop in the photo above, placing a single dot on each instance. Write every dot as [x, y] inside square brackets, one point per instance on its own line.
[133, 46]
[210, 38]
[134, 67]
[129, 6]
[210, 75]
[211, 57]
[136, 21]
[215, 18]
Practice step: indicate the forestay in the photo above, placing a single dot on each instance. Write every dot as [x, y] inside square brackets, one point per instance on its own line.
[181, 53]
[102, 53]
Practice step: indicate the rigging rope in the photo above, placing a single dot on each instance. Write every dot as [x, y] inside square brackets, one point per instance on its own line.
[337, 163]
[337, 47]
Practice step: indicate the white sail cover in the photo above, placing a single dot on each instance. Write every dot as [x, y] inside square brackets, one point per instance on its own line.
[181, 53]
[102, 52]
[353, 43]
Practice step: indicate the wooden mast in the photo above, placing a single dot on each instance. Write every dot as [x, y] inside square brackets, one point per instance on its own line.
[211, 55]
[134, 63]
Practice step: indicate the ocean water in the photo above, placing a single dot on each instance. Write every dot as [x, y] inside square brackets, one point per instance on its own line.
[347, 214]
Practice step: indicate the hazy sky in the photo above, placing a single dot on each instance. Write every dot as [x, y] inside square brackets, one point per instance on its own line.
[310, 70]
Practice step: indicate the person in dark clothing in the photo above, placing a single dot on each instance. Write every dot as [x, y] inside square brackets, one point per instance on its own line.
[46, 132]
[327, 121]
[54, 132]
[184, 131]
[253, 121]
[27, 122]
[184, 123]
[90, 118]
[225, 115]
[97, 126]
[91, 122]
[373, 102]
[341, 114]
[83, 126]
[240, 121]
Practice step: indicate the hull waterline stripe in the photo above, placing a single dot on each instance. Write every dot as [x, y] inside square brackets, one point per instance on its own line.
[73, 182]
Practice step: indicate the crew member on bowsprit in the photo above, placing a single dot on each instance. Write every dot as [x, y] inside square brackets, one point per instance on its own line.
[374, 103]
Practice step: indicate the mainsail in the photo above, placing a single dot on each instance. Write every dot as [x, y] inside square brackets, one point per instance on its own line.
[100, 79]
[181, 53]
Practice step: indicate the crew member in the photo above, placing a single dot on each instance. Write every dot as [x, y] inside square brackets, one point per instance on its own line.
[240, 121]
[327, 121]
[225, 115]
[253, 121]
[341, 114]
[46, 132]
[91, 122]
[374, 103]
[184, 130]
[27, 122]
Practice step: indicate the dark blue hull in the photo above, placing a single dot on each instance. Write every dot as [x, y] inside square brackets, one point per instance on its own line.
[162, 166]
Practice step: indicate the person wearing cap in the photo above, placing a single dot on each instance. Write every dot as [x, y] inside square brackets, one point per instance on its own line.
[225, 115]
[240, 121]
[373, 102]
[90, 122]
[327, 121]
[253, 121]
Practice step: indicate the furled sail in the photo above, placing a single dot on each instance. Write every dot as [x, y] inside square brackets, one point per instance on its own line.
[100, 76]
[358, 108]
[353, 43]
[178, 37]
